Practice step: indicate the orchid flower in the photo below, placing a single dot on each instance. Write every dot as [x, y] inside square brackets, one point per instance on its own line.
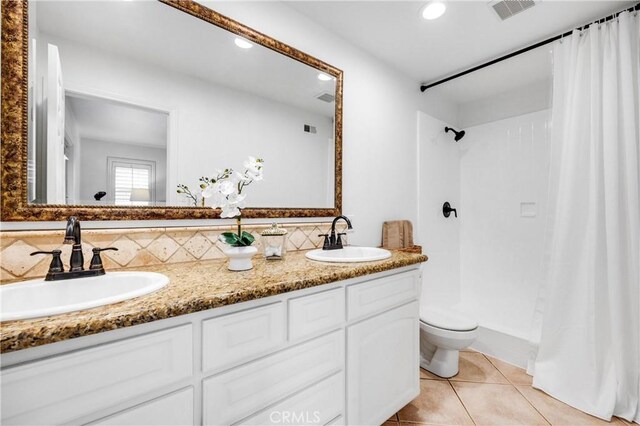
[253, 165]
[225, 190]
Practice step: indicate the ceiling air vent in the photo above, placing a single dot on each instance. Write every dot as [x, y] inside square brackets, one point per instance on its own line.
[326, 97]
[507, 8]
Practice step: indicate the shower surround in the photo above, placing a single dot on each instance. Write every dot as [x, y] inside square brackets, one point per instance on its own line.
[487, 262]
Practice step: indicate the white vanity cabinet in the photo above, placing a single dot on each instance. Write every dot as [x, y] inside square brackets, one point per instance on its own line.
[383, 348]
[340, 353]
[382, 361]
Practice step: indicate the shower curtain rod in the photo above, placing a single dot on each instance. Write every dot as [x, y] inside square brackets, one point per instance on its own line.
[424, 87]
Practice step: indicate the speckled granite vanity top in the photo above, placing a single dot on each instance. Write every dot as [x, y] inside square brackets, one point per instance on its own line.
[194, 286]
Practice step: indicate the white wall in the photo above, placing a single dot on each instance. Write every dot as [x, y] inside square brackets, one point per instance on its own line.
[439, 181]
[380, 105]
[504, 164]
[94, 172]
[379, 132]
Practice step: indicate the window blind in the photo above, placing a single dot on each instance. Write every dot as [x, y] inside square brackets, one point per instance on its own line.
[128, 177]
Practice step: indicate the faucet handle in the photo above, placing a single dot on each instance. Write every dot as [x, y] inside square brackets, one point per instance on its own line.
[339, 240]
[96, 260]
[447, 210]
[325, 244]
[98, 249]
[56, 262]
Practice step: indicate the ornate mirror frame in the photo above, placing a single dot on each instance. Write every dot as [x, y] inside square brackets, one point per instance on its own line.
[14, 204]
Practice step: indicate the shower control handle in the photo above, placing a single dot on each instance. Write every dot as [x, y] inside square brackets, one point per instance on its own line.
[447, 209]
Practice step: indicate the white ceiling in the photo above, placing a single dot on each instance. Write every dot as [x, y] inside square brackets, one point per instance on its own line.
[154, 33]
[469, 33]
[117, 122]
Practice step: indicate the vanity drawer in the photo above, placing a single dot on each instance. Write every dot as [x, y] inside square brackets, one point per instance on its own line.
[66, 387]
[243, 391]
[241, 336]
[338, 421]
[175, 409]
[315, 313]
[380, 294]
[316, 405]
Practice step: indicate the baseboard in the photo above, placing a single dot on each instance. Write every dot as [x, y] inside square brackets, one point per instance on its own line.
[506, 347]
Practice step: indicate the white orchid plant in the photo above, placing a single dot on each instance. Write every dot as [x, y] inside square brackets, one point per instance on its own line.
[225, 192]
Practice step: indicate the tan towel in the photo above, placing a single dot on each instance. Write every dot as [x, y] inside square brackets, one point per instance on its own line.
[397, 234]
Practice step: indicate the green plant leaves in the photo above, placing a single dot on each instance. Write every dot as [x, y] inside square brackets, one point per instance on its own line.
[229, 238]
[233, 239]
[247, 239]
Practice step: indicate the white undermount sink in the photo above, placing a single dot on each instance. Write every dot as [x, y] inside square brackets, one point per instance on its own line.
[349, 254]
[40, 298]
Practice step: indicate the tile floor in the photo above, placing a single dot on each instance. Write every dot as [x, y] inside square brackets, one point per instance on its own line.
[486, 392]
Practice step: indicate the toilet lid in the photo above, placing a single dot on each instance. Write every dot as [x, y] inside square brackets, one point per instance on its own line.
[448, 319]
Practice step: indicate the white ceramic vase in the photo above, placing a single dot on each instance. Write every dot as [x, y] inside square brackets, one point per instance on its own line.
[240, 257]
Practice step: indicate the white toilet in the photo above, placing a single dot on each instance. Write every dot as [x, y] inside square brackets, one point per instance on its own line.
[443, 332]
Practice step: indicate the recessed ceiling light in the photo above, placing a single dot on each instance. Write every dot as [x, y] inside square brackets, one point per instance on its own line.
[324, 77]
[433, 10]
[242, 43]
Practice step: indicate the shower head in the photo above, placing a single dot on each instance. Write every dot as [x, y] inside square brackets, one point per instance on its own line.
[458, 135]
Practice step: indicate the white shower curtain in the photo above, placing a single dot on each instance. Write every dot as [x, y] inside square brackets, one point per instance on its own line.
[588, 353]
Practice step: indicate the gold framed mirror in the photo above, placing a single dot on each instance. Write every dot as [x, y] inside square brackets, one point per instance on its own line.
[277, 83]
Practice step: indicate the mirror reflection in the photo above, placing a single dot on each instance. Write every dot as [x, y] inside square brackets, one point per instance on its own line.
[131, 101]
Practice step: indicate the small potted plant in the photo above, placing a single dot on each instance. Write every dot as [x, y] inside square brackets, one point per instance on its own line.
[226, 193]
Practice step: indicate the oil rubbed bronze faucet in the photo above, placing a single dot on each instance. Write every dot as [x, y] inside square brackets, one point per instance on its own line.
[333, 241]
[76, 262]
[72, 236]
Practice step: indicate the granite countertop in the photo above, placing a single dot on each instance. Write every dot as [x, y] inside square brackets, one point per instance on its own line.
[194, 286]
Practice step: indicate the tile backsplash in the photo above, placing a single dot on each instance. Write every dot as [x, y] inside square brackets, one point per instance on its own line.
[137, 246]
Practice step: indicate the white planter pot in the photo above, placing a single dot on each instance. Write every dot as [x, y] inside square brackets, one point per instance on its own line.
[240, 257]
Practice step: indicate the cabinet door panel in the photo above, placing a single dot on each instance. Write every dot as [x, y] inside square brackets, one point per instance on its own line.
[66, 387]
[175, 409]
[382, 365]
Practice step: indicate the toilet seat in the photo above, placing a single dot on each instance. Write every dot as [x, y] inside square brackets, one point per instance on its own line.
[447, 320]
